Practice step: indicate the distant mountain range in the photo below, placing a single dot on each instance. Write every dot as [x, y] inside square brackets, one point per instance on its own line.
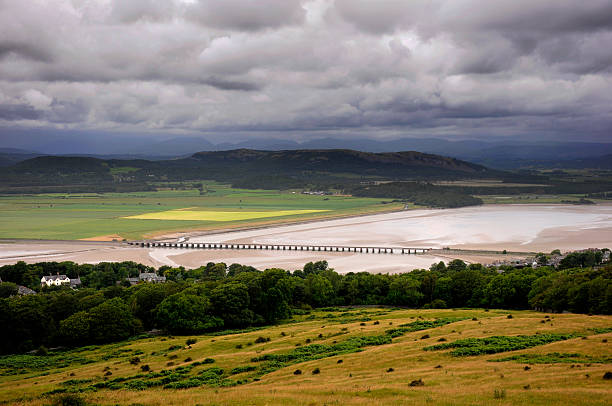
[501, 154]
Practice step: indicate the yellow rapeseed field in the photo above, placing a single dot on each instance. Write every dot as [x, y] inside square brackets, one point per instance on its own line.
[214, 215]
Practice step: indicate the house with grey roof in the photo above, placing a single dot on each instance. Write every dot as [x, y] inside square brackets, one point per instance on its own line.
[54, 280]
[151, 277]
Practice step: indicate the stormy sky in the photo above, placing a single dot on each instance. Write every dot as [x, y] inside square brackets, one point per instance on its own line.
[235, 69]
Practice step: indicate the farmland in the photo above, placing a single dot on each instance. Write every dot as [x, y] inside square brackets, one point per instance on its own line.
[82, 215]
[353, 356]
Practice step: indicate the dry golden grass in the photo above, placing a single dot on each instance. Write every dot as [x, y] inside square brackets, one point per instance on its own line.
[362, 378]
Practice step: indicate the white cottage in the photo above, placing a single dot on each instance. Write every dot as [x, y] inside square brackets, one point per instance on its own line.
[54, 280]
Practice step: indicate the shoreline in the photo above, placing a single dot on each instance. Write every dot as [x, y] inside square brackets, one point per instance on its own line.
[473, 234]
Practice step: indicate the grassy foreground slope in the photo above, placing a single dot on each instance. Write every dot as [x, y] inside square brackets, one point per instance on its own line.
[363, 356]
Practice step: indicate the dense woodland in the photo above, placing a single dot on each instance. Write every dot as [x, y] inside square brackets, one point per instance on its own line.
[217, 297]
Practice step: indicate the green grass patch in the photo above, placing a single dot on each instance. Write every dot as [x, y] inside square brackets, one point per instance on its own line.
[76, 216]
[317, 351]
[421, 325]
[496, 344]
[26, 363]
[555, 358]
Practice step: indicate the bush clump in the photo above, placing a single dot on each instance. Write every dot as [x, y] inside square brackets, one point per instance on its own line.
[417, 382]
[245, 368]
[191, 341]
[316, 371]
[69, 399]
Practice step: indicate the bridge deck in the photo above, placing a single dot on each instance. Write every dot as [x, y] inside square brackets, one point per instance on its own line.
[283, 247]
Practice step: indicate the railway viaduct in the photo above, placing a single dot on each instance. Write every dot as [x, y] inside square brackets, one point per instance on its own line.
[281, 247]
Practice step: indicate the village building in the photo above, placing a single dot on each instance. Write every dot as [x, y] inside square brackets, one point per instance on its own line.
[75, 283]
[151, 277]
[23, 291]
[54, 280]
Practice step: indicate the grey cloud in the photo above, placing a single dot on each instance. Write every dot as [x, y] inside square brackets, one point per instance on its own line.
[136, 10]
[24, 50]
[14, 112]
[225, 84]
[246, 15]
[354, 66]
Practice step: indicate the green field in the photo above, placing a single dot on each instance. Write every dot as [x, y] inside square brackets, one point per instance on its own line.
[78, 216]
[339, 356]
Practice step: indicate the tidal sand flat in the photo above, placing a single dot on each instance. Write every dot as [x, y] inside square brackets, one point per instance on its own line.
[525, 228]
[488, 227]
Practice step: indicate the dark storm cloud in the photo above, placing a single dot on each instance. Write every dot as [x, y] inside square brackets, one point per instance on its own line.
[368, 67]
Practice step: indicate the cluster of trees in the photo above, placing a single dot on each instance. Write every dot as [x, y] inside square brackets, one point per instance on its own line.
[216, 297]
[421, 193]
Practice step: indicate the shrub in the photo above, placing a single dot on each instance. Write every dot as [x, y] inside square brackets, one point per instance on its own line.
[607, 375]
[208, 361]
[509, 316]
[417, 382]
[297, 372]
[316, 371]
[424, 337]
[339, 361]
[145, 368]
[69, 399]
[188, 359]
[499, 394]
[42, 351]
[134, 360]
[191, 341]
[390, 370]
[246, 368]
[261, 339]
